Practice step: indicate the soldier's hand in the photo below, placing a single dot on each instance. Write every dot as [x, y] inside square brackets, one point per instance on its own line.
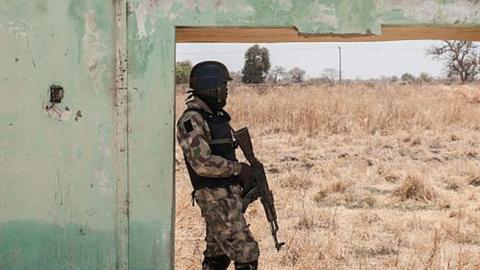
[245, 174]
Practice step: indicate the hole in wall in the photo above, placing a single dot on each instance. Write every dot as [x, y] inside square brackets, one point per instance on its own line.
[56, 93]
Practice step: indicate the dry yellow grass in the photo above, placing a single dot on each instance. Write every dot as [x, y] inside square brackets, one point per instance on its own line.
[416, 188]
[364, 177]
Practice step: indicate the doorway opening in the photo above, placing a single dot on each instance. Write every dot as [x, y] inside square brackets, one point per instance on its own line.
[379, 172]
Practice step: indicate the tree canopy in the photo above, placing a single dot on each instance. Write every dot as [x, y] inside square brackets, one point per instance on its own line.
[460, 56]
[296, 75]
[257, 64]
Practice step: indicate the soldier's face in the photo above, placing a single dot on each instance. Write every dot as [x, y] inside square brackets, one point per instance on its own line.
[222, 95]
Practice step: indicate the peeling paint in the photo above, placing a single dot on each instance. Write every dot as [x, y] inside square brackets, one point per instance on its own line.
[429, 11]
[54, 112]
[460, 11]
[19, 29]
[145, 17]
[141, 14]
[59, 222]
[94, 49]
[324, 15]
[102, 181]
[79, 177]
[228, 7]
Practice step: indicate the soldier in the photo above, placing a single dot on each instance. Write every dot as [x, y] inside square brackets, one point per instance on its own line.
[205, 136]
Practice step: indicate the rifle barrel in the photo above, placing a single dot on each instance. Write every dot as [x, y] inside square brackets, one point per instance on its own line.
[243, 139]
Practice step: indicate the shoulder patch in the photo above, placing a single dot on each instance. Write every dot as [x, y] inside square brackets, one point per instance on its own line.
[188, 126]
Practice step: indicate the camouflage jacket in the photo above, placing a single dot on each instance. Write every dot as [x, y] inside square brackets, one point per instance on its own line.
[195, 144]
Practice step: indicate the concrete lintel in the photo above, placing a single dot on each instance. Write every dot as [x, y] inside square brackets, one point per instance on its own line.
[265, 35]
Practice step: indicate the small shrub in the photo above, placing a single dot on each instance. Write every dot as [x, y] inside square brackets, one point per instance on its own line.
[291, 255]
[320, 196]
[416, 141]
[453, 186]
[392, 178]
[474, 181]
[415, 188]
[305, 223]
[454, 138]
[296, 182]
[355, 201]
[338, 186]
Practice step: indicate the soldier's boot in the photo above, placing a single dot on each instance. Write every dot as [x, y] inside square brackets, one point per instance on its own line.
[216, 263]
[246, 266]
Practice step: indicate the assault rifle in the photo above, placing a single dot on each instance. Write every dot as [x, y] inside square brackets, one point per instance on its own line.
[258, 187]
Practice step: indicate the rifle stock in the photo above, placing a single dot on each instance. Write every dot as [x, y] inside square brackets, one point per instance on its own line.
[244, 141]
[260, 188]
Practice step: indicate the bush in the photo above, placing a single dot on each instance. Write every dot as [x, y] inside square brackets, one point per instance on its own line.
[182, 72]
[415, 188]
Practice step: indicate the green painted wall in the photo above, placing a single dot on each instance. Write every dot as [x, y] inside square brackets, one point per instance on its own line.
[65, 177]
[57, 186]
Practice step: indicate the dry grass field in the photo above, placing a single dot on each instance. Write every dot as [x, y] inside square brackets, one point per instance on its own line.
[365, 176]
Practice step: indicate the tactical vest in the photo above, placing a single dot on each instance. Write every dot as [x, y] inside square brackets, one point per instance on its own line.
[222, 144]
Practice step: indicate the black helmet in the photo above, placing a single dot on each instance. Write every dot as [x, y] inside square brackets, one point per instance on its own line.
[208, 75]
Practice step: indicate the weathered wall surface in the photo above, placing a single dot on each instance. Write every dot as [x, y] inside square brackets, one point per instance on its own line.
[64, 172]
[57, 207]
[151, 50]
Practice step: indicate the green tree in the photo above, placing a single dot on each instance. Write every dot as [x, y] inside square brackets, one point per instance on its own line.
[276, 74]
[296, 75]
[182, 71]
[408, 78]
[425, 77]
[329, 75]
[257, 64]
[394, 78]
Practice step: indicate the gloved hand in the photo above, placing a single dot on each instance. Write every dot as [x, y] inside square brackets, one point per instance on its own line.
[245, 174]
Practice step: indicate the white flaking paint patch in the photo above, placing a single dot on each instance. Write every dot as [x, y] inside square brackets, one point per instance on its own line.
[105, 149]
[163, 4]
[19, 30]
[426, 10]
[141, 14]
[172, 16]
[101, 179]
[166, 234]
[238, 6]
[461, 11]
[100, 174]
[200, 4]
[434, 12]
[146, 16]
[325, 15]
[93, 50]
[56, 113]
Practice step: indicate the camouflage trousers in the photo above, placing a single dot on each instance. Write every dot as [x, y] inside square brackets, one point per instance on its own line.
[227, 230]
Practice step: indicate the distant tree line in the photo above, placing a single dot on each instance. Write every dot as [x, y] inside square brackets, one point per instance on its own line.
[461, 62]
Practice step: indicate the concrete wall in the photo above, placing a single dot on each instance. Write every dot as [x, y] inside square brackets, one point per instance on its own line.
[57, 188]
[88, 183]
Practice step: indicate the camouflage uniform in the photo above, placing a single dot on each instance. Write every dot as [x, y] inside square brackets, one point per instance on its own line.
[227, 232]
[195, 144]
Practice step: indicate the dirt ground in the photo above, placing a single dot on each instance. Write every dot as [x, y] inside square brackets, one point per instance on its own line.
[397, 193]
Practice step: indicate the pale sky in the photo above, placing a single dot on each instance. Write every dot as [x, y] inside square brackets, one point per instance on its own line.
[359, 60]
